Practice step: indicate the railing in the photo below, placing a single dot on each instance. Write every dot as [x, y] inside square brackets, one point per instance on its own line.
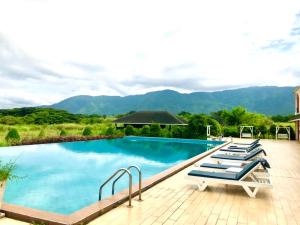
[124, 171]
[140, 180]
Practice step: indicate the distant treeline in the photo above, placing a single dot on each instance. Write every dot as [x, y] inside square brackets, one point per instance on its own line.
[231, 120]
[31, 115]
[45, 116]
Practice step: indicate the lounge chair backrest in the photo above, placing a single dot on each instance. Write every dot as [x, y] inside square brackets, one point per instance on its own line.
[254, 153]
[254, 142]
[250, 166]
[247, 169]
[265, 163]
[253, 147]
[248, 149]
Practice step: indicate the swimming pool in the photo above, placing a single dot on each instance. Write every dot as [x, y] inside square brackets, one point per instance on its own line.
[65, 177]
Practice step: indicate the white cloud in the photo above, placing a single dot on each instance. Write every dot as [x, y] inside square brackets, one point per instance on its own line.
[53, 49]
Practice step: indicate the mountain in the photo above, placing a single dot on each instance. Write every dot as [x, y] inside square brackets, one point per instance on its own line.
[269, 100]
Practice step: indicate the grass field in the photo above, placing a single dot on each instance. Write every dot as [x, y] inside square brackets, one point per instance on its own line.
[33, 131]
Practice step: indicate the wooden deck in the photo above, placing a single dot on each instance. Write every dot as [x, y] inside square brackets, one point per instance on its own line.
[175, 201]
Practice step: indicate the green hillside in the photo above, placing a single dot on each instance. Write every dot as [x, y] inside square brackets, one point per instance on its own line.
[267, 100]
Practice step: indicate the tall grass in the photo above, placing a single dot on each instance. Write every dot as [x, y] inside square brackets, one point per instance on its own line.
[32, 131]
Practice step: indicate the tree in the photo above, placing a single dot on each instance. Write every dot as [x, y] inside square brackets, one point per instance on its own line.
[196, 127]
[10, 120]
[155, 130]
[129, 130]
[184, 115]
[13, 136]
[236, 116]
[280, 118]
[222, 116]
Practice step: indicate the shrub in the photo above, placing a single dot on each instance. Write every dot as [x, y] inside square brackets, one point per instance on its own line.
[110, 131]
[87, 131]
[13, 136]
[165, 132]
[62, 133]
[42, 133]
[155, 130]
[119, 132]
[197, 126]
[129, 130]
[216, 128]
[177, 131]
[145, 130]
[232, 131]
[6, 171]
[272, 129]
[293, 134]
[261, 129]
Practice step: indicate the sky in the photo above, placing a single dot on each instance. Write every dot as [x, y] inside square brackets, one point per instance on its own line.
[54, 49]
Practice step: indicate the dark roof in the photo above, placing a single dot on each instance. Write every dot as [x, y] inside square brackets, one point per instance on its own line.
[148, 117]
[295, 118]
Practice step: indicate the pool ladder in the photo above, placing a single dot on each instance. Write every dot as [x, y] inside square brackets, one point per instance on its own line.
[124, 171]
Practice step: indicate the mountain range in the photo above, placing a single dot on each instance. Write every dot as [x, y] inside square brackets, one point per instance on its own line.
[268, 100]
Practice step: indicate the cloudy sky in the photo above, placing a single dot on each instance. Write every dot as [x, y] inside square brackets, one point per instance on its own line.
[54, 49]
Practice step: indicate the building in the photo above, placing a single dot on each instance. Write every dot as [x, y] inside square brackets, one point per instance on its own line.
[139, 119]
[296, 118]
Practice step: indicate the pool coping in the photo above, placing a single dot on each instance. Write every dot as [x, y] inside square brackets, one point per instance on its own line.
[96, 209]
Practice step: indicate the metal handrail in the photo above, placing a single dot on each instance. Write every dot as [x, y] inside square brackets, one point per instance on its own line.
[112, 176]
[140, 180]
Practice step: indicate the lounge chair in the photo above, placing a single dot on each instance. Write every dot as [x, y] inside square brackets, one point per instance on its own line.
[234, 167]
[242, 150]
[240, 157]
[243, 146]
[245, 178]
[246, 144]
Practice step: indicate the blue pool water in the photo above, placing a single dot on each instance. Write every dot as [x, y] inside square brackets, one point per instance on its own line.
[65, 177]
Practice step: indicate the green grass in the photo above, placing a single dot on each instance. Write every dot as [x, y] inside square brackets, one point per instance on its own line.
[33, 131]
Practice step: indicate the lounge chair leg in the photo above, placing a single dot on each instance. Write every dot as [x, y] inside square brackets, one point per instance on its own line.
[251, 193]
[202, 186]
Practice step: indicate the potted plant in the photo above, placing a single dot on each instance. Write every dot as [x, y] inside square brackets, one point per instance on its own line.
[6, 173]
